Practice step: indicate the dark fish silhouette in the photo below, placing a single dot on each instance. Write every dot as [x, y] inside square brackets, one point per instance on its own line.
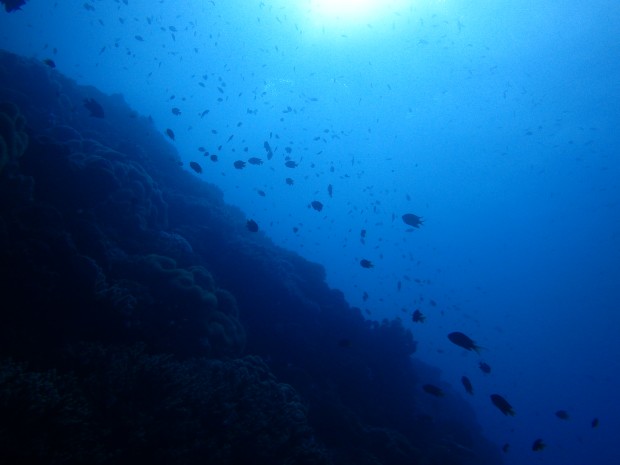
[49, 62]
[485, 367]
[255, 161]
[213, 157]
[290, 164]
[366, 263]
[268, 150]
[252, 226]
[538, 445]
[93, 107]
[195, 166]
[239, 164]
[13, 5]
[318, 206]
[469, 389]
[413, 220]
[505, 448]
[289, 181]
[330, 190]
[463, 341]
[418, 317]
[562, 414]
[176, 111]
[170, 133]
[502, 404]
[433, 390]
[594, 423]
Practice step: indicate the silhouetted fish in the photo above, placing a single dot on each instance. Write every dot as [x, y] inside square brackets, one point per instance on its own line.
[469, 389]
[433, 390]
[538, 445]
[463, 341]
[255, 161]
[413, 220]
[418, 317]
[502, 404]
[594, 423]
[485, 367]
[366, 263]
[562, 414]
[239, 164]
[195, 166]
[13, 5]
[318, 206]
[49, 62]
[170, 133]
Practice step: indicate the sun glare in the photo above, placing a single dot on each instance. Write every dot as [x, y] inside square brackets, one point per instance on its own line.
[345, 8]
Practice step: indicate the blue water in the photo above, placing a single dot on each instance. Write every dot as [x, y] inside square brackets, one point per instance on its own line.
[496, 123]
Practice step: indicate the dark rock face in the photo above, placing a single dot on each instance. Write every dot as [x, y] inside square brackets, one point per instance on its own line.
[142, 322]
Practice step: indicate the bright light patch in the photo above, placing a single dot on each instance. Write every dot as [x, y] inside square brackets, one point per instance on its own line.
[346, 9]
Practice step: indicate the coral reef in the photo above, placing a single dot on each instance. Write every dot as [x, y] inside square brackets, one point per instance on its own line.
[142, 322]
[13, 136]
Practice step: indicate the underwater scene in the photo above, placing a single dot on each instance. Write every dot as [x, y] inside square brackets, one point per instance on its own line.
[314, 232]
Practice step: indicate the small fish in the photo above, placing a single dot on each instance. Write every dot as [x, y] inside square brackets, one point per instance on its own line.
[505, 448]
[366, 263]
[252, 226]
[49, 62]
[239, 164]
[433, 390]
[418, 317]
[139, 38]
[195, 166]
[261, 192]
[412, 220]
[213, 157]
[290, 164]
[289, 181]
[365, 296]
[255, 161]
[538, 445]
[330, 190]
[562, 414]
[463, 341]
[485, 367]
[469, 389]
[594, 423]
[318, 206]
[13, 5]
[502, 404]
[170, 133]
[176, 111]
[94, 108]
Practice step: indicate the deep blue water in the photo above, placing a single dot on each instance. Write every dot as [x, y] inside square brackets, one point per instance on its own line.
[496, 123]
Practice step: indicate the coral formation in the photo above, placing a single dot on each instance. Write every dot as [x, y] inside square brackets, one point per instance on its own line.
[13, 136]
[155, 329]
